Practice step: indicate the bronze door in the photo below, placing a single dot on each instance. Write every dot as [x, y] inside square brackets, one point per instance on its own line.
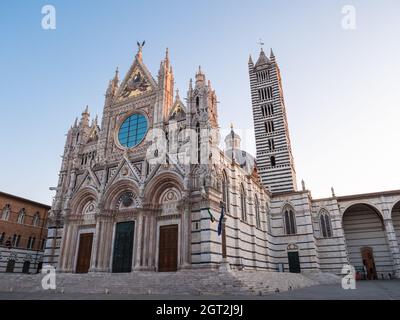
[123, 247]
[84, 253]
[369, 263]
[168, 249]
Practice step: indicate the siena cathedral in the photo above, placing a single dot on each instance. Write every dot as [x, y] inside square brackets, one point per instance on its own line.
[150, 189]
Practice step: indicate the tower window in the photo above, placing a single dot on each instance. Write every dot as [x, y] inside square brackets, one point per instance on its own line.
[271, 144]
[273, 161]
[269, 126]
[267, 110]
[197, 103]
[198, 143]
[263, 76]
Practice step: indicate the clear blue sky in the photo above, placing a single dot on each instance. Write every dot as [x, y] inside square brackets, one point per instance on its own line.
[341, 86]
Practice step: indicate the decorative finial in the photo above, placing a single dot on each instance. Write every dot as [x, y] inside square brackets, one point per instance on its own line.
[303, 185]
[167, 54]
[333, 192]
[86, 109]
[231, 126]
[140, 47]
[177, 94]
[199, 70]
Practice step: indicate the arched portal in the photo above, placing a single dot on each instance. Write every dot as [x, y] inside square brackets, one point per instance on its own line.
[396, 220]
[366, 241]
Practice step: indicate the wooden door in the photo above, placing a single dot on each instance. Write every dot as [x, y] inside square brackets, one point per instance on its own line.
[369, 263]
[168, 249]
[84, 253]
[123, 247]
[26, 266]
[10, 265]
[294, 262]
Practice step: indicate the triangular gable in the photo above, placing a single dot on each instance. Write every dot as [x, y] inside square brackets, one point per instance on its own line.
[89, 180]
[177, 109]
[137, 81]
[125, 170]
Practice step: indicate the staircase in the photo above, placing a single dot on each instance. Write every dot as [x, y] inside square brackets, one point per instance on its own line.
[190, 282]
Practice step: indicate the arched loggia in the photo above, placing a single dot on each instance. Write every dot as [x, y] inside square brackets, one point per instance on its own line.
[366, 241]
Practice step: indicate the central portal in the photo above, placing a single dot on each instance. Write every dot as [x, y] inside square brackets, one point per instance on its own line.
[123, 247]
[168, 249]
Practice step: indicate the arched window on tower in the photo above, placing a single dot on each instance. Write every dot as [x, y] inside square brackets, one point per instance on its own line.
[243, 203]
[198, 143]
[325, 224]
[273, 161]
[289, 220]
[225, 191]
[257, 209]
[21, 216]
[197, 103]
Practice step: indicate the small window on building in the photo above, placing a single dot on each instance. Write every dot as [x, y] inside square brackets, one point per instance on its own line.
[5, 214]
[21, 216]
[36, 219]
[273, 161]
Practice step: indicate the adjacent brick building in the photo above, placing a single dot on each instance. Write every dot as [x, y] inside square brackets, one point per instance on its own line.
[23, 232]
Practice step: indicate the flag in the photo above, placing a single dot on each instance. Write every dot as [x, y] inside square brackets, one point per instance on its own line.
[220, 221]
[211, 215]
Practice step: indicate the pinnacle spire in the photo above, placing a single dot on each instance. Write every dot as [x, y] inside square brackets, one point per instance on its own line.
[271, 55]
[262, 59]
[250, 59]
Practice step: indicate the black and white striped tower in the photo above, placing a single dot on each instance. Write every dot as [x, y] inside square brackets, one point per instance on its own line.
[274, 155]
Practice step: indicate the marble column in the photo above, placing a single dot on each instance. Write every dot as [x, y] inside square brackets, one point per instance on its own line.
[139, 237]
[64, 248]
[96, 242]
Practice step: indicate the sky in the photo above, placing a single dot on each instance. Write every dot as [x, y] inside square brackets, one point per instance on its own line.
[341, 85]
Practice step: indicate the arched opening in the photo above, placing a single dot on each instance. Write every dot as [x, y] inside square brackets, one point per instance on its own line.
[289, 218]
[10, 265]
[243, 203]
[26, 266]
[257, 209]
[225, 191]
[396, 220]
[325, 224]
[366, 241]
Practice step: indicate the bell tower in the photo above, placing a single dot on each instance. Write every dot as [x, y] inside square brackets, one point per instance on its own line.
[274, 153]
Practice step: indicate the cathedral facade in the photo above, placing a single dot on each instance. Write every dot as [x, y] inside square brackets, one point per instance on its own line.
[150, 189]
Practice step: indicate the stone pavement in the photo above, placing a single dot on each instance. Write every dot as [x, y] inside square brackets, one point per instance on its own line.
[182, 283]
[366, 290]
